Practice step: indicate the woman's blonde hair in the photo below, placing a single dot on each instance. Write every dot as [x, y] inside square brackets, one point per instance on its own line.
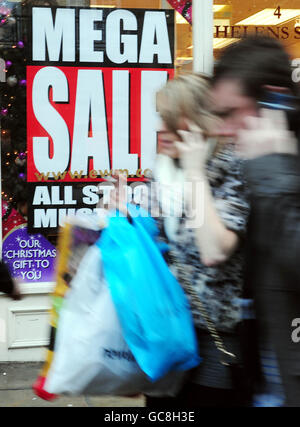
[187, 96]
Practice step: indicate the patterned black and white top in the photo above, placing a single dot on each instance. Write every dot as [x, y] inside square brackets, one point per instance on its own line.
[219, 287]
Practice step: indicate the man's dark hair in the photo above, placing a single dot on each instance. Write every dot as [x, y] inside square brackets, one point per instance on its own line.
[256, 61]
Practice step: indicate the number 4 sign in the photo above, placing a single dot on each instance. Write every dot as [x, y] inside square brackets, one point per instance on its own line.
[278, 12]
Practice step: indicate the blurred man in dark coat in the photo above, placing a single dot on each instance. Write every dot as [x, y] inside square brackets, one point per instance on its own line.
[258, 101]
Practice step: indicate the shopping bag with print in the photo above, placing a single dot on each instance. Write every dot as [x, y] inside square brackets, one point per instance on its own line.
[152, 308]
[91, 356]
[76, 235]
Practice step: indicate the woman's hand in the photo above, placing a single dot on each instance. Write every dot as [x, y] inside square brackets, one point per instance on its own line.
[118, 196]
[193, 150]
[267, 134]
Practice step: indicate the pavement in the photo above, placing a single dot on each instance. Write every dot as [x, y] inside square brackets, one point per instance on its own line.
[16, 380]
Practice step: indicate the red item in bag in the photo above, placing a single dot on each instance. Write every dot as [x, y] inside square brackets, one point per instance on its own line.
[38, 388]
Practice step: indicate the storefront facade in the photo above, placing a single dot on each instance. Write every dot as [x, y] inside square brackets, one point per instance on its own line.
[65, 62]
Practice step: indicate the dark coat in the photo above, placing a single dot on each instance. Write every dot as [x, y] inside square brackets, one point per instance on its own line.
[6, 283]
[273, 259]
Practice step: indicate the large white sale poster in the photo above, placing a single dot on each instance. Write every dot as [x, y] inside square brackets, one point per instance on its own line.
[92, 76]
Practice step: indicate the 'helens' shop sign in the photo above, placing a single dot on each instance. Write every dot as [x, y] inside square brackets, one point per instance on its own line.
[92, 76]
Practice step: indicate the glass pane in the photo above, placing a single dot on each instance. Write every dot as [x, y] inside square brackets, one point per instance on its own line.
[234, 19]
[128, 125]
[183, 30]
[127, 112]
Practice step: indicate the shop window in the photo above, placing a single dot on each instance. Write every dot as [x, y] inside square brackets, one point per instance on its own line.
[135, 111]
[234, 19]
[183, 30]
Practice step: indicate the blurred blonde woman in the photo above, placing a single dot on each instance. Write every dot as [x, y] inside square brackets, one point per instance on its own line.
[206, 258]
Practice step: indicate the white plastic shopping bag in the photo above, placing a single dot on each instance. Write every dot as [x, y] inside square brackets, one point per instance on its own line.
[90, 355]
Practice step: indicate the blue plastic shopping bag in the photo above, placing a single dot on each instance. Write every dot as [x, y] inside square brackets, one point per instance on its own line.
[152, 308]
